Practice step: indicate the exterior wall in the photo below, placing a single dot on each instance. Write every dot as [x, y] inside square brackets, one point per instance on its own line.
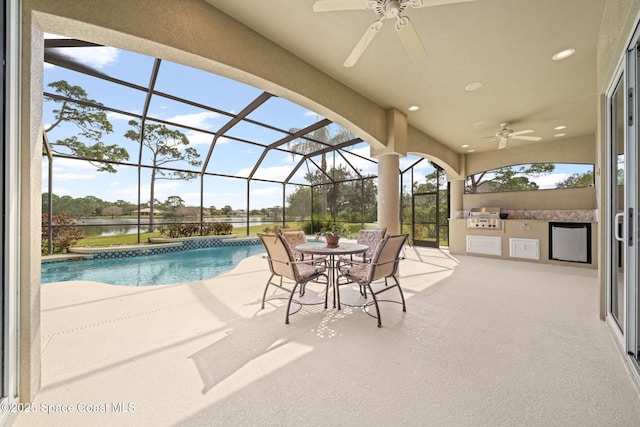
[618, 21]
[30, 208]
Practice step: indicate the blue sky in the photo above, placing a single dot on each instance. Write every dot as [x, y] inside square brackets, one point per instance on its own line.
[79, 179]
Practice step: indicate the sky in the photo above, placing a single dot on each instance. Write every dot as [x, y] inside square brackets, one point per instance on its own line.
[230, 157]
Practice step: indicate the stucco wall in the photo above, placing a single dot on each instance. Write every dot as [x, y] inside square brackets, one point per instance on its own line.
[30, 208]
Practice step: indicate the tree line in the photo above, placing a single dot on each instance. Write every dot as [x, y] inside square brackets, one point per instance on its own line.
[92, 206]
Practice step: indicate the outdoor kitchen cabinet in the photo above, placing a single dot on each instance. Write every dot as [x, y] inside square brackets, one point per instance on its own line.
[519, 229]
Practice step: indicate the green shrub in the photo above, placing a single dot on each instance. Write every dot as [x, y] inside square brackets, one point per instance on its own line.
[316, 224]
[188, 229]
[65, 233]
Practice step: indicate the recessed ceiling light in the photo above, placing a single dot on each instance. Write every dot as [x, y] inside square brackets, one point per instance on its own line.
[558, 135]
[473, 86]
[470, 151]
[559, 127]
[413, 108]
[465, 145]
[563, 54]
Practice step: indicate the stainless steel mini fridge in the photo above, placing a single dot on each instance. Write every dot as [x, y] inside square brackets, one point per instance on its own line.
[570, 241]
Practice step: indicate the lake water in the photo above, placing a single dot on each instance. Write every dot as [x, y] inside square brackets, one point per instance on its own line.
[118, 226]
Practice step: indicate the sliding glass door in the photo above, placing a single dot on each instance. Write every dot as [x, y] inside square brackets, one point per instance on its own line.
[623, 134]
[9, 252]
[631, 198]
[616, 207]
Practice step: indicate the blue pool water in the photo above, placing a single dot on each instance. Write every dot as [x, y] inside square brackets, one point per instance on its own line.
[163, 269]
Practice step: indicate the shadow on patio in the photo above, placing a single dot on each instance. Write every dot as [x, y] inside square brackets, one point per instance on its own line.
[483, 342]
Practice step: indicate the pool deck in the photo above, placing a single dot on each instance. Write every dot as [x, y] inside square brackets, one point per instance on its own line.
[484, 342]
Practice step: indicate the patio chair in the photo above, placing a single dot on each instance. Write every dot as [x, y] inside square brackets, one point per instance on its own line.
[383, 265]
[283, 265]
[370, 237]
[294, 237]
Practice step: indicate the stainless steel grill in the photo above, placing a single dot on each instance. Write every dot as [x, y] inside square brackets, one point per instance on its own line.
[484, 219]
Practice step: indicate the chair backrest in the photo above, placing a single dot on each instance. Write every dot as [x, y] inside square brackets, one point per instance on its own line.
[387, 255]
[280, 260]
[292, 238]
[371, 237]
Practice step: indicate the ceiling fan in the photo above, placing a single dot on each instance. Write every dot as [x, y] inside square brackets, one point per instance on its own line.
[384, 9]
[504, 134]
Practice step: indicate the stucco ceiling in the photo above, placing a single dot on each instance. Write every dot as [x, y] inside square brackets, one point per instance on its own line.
[506, 45]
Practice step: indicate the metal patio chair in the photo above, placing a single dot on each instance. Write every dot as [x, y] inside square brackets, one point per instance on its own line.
[283, 265]
[383, 265]
[295, 237]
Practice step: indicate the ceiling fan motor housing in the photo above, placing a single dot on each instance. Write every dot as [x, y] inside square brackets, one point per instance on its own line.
[390, 8]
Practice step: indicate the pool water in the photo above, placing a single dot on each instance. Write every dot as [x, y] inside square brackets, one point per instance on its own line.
[162, 269]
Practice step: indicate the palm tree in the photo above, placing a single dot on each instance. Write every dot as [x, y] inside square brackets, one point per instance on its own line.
[318, 140]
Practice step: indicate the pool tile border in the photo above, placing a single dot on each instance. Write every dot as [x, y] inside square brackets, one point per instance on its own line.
[178, 245]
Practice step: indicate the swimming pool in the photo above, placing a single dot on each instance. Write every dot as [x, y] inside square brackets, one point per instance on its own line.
[162, 269]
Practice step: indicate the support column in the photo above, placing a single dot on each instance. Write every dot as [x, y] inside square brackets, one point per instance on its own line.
[389, 193]
[389, 170]
[456, 204]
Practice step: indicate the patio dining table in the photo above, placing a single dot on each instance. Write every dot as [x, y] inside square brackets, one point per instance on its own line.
[332, 253]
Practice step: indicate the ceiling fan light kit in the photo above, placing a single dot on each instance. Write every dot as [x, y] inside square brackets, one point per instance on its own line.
[385, 9]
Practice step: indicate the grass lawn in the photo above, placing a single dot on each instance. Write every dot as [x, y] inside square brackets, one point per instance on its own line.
[131, 239]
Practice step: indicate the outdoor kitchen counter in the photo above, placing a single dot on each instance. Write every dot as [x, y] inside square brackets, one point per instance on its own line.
[526, 231]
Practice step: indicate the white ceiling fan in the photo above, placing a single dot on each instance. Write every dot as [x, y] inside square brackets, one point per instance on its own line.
[504, 134]
[384, 9]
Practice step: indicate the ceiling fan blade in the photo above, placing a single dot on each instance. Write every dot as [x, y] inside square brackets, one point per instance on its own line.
[410, 40]
[521, 132]
[428, 3]
[527, 138]
[503, 143]
[333, 5]
[363, 43]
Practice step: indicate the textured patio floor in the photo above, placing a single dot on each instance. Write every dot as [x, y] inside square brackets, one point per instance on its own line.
[484, 342]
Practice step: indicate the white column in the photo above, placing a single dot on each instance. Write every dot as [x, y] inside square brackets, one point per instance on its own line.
[389, 192]
[389, 170]
[456, 191]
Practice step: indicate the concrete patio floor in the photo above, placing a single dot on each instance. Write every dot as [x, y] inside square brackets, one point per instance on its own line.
[484, 342]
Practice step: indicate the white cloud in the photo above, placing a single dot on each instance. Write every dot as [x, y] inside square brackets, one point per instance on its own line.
[96, 57]
[69, 170]
[550, 181]
[268, 191]
[198, 138]
[120, 116]
[275, 173]
[310, 113]
[196, 120]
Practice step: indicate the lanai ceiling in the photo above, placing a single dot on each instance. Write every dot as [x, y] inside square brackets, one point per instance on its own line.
[506, 45]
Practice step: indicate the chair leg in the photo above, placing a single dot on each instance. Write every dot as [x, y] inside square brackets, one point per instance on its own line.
[264, 294]
[293, 291]
[375, 302]
[404, 307]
